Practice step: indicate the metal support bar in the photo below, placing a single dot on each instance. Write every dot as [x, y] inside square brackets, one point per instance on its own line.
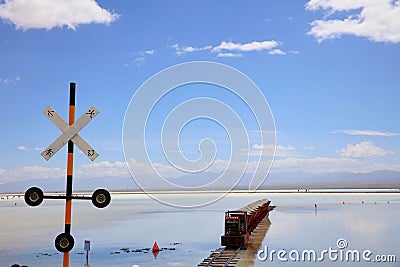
[67, 197]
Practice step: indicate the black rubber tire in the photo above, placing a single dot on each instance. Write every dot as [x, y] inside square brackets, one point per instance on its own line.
[64, 242]
[34, 196]
[101, 198]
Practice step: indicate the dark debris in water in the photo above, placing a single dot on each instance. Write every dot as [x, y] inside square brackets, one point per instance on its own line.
[41, 254]
[46, 254]
[145, 250]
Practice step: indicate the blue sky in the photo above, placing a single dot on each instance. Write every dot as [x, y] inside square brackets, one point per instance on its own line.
[328, 69]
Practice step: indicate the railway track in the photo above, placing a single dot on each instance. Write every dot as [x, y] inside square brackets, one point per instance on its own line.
[222, 257]
[245, 229]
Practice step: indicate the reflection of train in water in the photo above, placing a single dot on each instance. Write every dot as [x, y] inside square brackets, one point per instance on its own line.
[240, 223]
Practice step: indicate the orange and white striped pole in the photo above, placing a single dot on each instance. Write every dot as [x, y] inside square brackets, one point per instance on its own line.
[70, 167]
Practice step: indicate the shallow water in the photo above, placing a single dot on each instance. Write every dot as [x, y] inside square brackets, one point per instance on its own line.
[137, 221]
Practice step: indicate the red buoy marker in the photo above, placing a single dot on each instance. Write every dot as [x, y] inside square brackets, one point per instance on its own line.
[155, 250]
[155, 247]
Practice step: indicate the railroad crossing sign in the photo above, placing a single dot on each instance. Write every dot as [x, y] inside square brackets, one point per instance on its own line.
[100, 198]
[70, 133]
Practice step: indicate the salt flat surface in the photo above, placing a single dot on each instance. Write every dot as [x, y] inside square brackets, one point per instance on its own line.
[137, 221]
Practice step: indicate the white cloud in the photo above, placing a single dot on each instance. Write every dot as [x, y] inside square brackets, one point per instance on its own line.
[10, 80]
[276, 52]
[93, 170]
[48, 14]
[366, 132]
[229, 55]
[252, 46]
[188, 49]
[142, 56]
[277, 147]
[231, 49]
[280, 151]
[139, 60]
[30, 172]
[312, 164]
[149, 52]
[103, 169]
[377, 20]
[195, 49]
[318, 165]
[169, 171]
[119, 169]
[22, 148]
[363, 150]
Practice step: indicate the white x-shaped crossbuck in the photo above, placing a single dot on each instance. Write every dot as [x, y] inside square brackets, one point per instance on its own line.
[70, 133]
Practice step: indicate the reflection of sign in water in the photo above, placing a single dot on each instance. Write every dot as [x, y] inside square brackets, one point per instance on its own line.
[86, 246]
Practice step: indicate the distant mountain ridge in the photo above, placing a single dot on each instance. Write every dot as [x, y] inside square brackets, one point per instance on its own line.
[383, 179]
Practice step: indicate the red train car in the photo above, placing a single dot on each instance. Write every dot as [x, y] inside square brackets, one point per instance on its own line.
[240, 223]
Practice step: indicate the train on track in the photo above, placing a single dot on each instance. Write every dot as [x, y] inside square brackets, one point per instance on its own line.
[240, 223]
